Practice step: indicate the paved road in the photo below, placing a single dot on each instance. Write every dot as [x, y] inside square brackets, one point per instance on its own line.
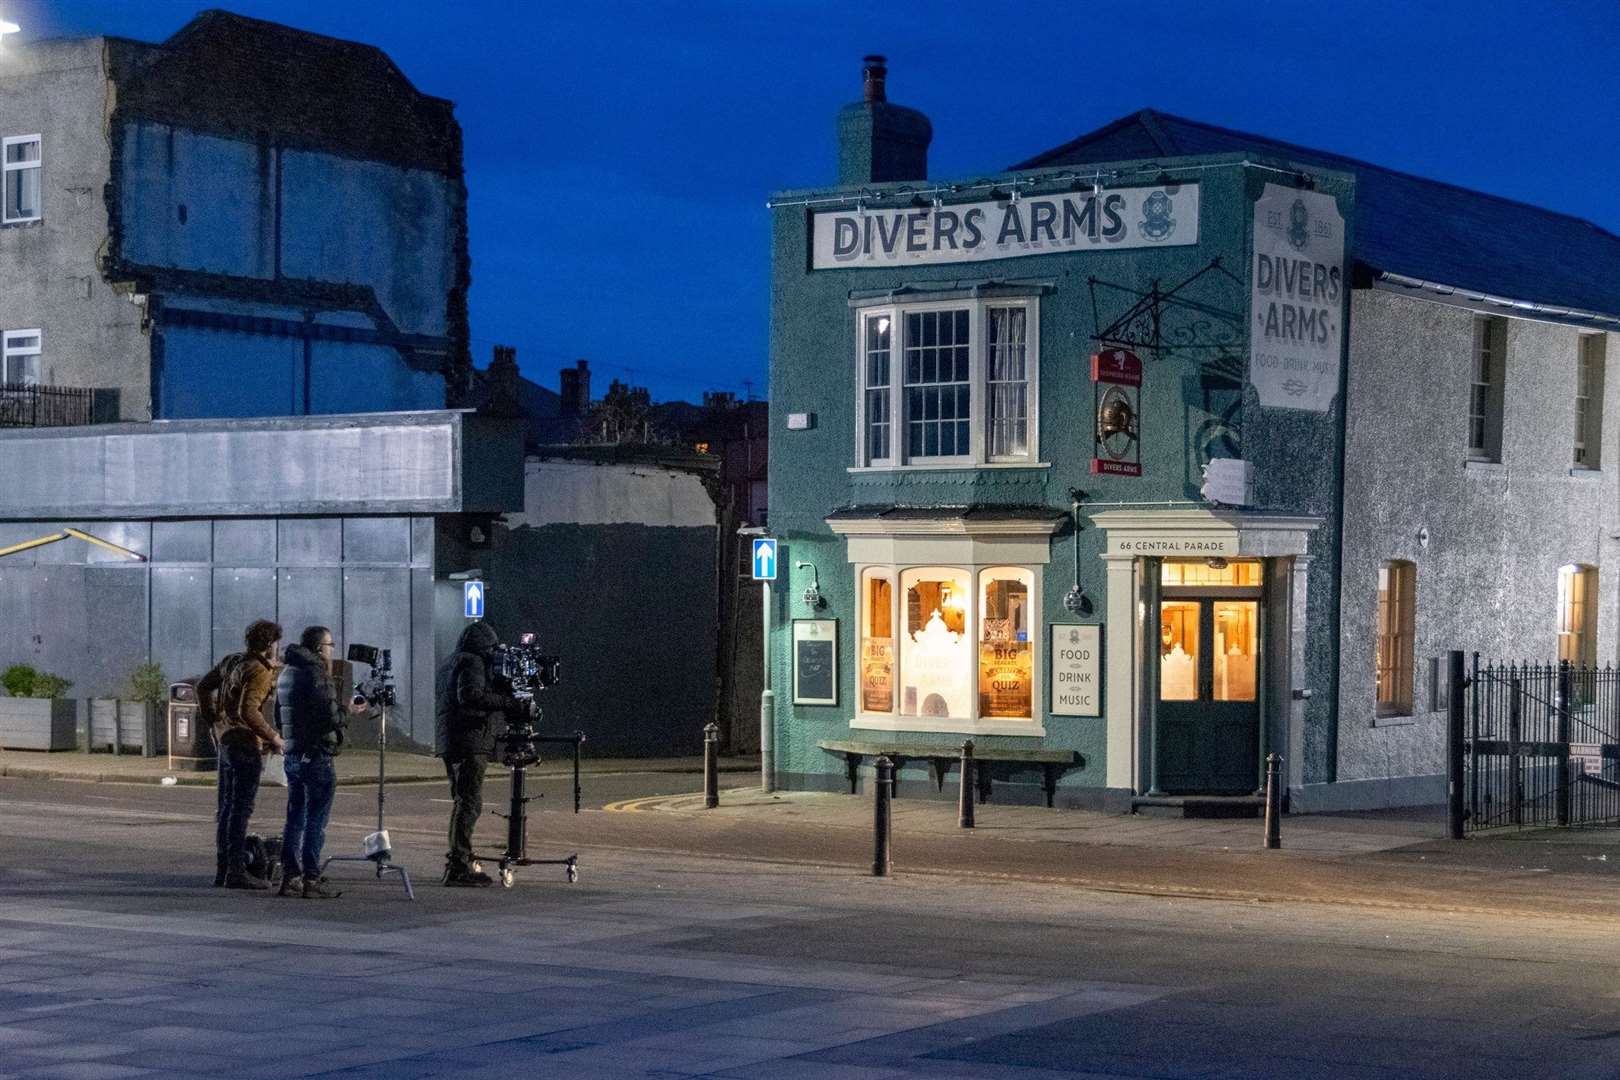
[665, 960]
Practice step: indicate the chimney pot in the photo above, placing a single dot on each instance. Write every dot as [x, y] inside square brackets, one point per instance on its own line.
[874, 76]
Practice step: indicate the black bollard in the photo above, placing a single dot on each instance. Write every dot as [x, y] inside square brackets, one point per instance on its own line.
[964, 801]
[881, 819]
[711, 766]
[1273, 802]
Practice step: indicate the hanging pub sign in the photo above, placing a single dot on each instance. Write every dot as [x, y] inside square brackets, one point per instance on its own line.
[1165, 216]
[1296, 299]
[1116, 377]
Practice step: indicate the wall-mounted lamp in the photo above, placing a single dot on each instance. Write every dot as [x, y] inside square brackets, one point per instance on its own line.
[1075, 601]
[812, 595]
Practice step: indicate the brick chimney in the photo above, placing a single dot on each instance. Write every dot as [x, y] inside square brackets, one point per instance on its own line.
[504, 398]
[877, 141]
[574, 386]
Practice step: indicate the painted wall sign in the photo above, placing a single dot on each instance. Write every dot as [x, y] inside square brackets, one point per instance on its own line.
[815, 661]
[1076, 670]
[1032, 225]
[1296, 299]
[1203, 544]
[1116, 377]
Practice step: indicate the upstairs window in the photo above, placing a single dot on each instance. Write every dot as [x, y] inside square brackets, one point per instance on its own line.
[1397, 616]
[21, 154]
[1485, 388]
[948, 384]
[19, 357]
[1589, 401]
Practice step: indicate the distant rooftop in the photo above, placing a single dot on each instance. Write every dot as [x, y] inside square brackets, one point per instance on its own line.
[1438, 233]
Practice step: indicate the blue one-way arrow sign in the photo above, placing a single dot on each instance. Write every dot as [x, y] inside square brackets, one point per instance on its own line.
[764, 559]
[472, 599]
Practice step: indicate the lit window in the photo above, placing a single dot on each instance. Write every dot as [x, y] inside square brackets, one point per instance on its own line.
[21, 168]
[948, 383]
[1210, 572]
[1396, 617]
[19, 357]
[1577, 615]
[965, 648]
[877, 642]
[1589, 401]
[1485, 388]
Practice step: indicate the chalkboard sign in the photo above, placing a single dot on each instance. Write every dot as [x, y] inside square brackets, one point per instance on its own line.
[815, 661]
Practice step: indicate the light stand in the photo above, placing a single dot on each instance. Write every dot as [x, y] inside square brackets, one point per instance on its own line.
[375, 847]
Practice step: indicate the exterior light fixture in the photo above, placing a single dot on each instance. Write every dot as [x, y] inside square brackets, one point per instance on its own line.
[1075, 601]
[812, 594]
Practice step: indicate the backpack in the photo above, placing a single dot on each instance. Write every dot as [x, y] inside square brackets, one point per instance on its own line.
[220, 676]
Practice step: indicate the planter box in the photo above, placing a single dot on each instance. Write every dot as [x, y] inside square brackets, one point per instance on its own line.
[38, 723]
[132, 723]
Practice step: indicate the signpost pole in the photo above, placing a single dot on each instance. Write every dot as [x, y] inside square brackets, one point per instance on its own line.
[767, 702]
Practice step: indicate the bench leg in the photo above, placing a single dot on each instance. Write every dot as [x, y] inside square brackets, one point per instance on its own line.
[939, 768]
[852, 762]
[981, 777]
[1051, 785]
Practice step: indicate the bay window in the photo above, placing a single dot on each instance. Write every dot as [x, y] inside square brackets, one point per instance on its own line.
[948, 383]
[948, 648]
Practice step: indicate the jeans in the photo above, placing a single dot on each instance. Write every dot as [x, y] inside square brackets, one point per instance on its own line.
[467, 789]
[239, 768]
[311, 785]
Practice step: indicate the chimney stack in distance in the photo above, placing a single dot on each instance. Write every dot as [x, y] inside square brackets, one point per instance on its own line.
[879, 142]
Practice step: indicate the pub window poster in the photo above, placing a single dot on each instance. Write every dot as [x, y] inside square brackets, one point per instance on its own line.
[815, 661]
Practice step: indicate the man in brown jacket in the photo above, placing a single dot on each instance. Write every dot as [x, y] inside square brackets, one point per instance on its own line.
[233, 695]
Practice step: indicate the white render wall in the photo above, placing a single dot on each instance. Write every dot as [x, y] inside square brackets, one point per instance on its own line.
[48, 274]
[1497, 534]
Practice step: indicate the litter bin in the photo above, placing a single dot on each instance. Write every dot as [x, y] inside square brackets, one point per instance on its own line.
[191, 744]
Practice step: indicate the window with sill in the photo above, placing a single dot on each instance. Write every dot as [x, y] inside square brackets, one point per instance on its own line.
[19, 357]
[1485, 388]
[948, 383]
[1397, 618]
[20, 165]
[948, 648]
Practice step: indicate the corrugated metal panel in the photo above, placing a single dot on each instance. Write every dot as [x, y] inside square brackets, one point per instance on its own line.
[312, 597]
[182, 636]
[241, 595]
[371, 463]
[377, 540]
[310, 541]
[182, 541]
[245, 542]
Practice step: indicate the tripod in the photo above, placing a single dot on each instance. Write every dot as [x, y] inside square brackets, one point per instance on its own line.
[521, 742]
[375, 847]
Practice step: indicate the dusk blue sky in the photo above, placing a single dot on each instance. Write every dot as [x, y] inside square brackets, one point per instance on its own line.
[619, 155]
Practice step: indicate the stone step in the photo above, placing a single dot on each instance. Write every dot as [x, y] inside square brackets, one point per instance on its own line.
[1199, 806]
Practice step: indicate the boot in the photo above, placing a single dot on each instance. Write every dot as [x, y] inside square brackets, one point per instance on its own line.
[291, 886]
[465, 877]
[315, 889]
[241, 879]
[219, 871]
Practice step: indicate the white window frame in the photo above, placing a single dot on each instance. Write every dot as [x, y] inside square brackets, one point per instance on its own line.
[7, 351]
[1490, 346]
[7, 168]
[1591, 358]
[973, 724]
[1399, 617]
[978, 394]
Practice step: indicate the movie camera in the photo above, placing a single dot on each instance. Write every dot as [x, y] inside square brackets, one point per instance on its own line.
[523, 671]
[377, 689]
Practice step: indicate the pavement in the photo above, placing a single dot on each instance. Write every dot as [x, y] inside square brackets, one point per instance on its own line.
[357, 766]
[750, 943]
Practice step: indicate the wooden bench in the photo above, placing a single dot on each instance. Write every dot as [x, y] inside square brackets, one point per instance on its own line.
[1053, 763]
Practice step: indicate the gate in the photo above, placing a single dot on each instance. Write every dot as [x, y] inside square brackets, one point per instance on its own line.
[1540, 745]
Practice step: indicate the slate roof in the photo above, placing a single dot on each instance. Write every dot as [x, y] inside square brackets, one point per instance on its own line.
[968, 513]
[1404, 224]
[231, 75]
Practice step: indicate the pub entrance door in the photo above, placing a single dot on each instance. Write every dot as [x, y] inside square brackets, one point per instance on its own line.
[1207, 727]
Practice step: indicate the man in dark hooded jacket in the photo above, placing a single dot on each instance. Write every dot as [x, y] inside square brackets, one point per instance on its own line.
[311, 722]
[470, 707]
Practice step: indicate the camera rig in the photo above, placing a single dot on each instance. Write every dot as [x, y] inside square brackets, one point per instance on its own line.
[377, 691]
[524, 671]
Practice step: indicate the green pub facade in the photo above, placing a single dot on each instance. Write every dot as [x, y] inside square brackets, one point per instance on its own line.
[1063, 450]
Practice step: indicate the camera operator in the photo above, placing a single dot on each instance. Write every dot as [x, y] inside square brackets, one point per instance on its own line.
[469, 703]
[307, 708]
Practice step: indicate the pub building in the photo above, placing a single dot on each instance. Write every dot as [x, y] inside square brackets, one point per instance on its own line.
[1167, 449]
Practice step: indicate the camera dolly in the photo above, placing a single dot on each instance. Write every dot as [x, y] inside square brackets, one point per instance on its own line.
[521, 751]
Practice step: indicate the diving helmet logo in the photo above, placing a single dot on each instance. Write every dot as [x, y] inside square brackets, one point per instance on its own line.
[1156, 223]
